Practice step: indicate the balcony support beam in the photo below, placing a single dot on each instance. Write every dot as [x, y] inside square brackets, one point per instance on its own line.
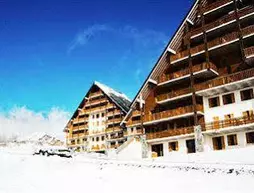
[194, 102]
[240, 35]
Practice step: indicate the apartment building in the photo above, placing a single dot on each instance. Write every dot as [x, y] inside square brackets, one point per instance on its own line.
[95, 125]
[199, 95]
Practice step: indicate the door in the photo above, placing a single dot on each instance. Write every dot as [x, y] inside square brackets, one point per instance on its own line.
[190, 144]
[158, 148]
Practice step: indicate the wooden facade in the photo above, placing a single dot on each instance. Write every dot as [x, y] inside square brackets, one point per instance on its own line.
[212, 50]
[95, 125]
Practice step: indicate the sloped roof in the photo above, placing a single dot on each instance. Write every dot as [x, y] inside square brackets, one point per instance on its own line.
[171, 47]
[120, 99]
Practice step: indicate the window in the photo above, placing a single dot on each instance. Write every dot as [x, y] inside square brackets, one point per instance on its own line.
[93, 116]
[97, 139]
[97, 116]
[228, 98]
[102, 138]
[214, 102]
[246, 94]
[173, 146]
[102, 114]
[232, 140]
[132, 130]
[250, 137]
[92, 139]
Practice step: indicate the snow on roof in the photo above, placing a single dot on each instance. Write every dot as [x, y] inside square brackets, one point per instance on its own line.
[119, 98]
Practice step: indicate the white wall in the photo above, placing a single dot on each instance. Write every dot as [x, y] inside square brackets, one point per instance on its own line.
[236, 108]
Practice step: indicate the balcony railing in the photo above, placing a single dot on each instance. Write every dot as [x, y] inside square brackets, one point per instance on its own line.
[131, 123]
[95, 102]
[181, 73]
[170, 133]
[80, 120]
[171, 113]
[228, 123]
[223, 20]
[136, 113]
[216, 42]
[112, 113]
[214, 5]
[173, 94]
[113, 129]
[115, 120]
[225, 80]
[249, 51]
[95, 94]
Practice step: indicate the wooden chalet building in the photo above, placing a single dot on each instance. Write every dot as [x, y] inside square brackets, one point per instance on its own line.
[95, 125]
[200, 92]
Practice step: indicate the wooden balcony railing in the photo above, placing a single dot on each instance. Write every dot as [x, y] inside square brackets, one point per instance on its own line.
[114, 112]
[216, 42]
[97, 132]
[114, 146]
[228, 123]
[173, 94]
[80, 120]
[80, 127]
[110, 106]
[131, 123]
[115, 120]
[95, 102]
[171, 113]
[136, 113]
[223, 20]
[214, 5]
[116, 137]
[225, 79]
[249, 51]
[170, 133]
[113, 129]
[186, 71]
[95, 94]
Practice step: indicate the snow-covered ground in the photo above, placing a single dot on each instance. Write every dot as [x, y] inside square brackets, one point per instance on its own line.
[23, 173]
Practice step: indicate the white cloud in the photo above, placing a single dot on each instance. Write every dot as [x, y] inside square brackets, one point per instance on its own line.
[144, 38]
[22, 122]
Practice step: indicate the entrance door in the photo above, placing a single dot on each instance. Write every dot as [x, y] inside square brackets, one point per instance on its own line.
[158, 148]
[218, 143]
[190, 144]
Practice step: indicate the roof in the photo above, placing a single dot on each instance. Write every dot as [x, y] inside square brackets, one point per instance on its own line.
[118, 98]
[160, 64]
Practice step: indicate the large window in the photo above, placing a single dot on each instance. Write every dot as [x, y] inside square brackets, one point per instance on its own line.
[214, 102]
[232, 140]
[247, 94]
[228, 98]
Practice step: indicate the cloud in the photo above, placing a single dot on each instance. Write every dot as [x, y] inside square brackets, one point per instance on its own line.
[22, 122]
[145, 38]
[83, 37]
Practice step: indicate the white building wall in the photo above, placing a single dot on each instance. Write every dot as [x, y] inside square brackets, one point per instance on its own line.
[236, 108]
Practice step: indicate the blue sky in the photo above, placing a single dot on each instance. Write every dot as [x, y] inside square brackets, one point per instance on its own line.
[52, 51]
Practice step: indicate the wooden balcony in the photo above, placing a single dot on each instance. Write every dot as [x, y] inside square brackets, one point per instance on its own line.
[249, 52]
[101, 132]
[115, 120]
[114, 146]
[136, 113]
[216, 43]
[223, 21]
[171, 114]
[110, 106]
[215, 5]
[133, 123]
[96, 102]
[200, 69]
[229, 82]
[235, 122]
[113, 113]
[113, 129]
[173, 95]
[92, 109]
[116, 138]
[80, 120]
[95, 94]
[170, 133]
[80, 127]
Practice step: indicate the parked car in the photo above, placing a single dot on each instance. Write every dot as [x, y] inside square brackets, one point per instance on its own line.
[51, 151]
